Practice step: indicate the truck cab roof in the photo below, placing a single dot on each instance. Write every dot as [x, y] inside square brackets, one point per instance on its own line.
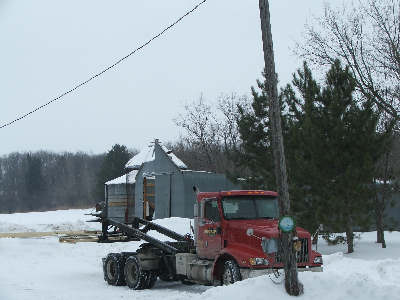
[221, 194]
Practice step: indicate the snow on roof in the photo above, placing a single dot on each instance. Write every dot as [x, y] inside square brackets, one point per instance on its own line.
[180, 164]
[147, 154]
[131, 176]
[127, 178]
[118, 180]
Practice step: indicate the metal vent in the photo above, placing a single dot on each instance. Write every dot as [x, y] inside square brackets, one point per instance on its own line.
[302, 255]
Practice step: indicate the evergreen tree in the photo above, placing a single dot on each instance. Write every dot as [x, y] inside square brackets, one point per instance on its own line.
[113, 166]
[255, 153]
[303, 147]
[334, 148]
[331, 144]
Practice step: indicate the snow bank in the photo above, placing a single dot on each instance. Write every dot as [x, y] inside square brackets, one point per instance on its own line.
[58, 220]
[43, 268]
[343, 278]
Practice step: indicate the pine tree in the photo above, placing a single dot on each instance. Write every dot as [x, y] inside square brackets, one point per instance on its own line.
[113, 166]
[256, 152]
[334, 148]
[303, 146]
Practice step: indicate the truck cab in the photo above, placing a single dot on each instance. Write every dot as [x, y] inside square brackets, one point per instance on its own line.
[242, 227]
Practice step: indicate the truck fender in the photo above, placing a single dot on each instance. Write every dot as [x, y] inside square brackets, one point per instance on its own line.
[239, 253]
[218, 266]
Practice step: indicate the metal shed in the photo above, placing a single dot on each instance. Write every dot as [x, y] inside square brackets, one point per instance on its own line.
[393, 213]
[162, 187]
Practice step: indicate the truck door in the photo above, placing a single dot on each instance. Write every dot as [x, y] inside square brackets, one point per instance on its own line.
[209, 241]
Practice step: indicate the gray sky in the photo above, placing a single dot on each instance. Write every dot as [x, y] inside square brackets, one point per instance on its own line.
[48, 46]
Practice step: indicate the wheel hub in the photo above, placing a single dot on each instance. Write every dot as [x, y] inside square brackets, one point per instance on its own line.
[111, 270]
[226, 277]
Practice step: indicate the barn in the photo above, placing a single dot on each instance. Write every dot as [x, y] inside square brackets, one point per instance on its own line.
[158, 185]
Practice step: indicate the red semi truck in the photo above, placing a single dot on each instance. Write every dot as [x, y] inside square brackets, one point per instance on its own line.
[236, 236]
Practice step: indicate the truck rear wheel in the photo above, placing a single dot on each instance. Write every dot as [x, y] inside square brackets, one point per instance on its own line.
[151, 279]
[135, 277]
[113, 268]
[231, 273]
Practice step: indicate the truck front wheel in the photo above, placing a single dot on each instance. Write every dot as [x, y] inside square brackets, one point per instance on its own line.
[231, 273]
[135, 277]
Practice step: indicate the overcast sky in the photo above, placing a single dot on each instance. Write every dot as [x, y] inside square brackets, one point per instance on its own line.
[49, 46]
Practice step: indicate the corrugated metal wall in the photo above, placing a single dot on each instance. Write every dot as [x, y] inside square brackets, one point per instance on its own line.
[161, 165]
[205, 182]
[169, 195]
[120, 201]
[174, 192]
[393, 213]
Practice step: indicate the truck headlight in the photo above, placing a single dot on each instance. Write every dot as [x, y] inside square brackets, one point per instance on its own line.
[269, 245]
[318, 260]
[256, 261]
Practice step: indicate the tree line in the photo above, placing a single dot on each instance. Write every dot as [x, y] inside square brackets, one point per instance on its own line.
[46, 180]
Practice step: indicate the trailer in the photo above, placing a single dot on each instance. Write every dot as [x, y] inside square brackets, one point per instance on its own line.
[235, 236]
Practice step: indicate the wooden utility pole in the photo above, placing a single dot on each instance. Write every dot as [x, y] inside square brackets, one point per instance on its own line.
[292, 284]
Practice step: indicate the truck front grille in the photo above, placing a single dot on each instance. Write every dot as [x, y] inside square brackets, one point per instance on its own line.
[302, 255]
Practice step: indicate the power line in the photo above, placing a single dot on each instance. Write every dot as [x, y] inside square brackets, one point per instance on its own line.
[108, 68]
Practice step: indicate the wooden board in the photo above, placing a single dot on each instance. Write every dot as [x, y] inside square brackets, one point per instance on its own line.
[43, 234]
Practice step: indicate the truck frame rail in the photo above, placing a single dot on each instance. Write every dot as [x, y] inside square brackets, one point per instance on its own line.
[134, 231]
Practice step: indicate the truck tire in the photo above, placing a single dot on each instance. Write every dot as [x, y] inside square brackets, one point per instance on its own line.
[231, 273]
[113, 268]
[151, 279]
[135, 277]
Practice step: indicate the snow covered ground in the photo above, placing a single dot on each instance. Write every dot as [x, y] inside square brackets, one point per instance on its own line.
[43, 268]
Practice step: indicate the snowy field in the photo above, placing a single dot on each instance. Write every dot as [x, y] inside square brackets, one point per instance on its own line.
[43, 268]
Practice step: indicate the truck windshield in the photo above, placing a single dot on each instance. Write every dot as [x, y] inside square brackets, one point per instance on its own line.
[250, 207]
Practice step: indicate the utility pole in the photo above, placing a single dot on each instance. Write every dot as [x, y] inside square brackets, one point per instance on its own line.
[292, 284]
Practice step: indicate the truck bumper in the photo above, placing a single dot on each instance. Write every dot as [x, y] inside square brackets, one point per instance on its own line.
[251, 273]
[312, 269]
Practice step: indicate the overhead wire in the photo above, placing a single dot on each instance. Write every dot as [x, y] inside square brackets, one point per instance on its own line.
[108, 68]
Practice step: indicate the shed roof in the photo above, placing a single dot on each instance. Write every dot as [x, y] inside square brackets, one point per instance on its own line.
[148, 154]
[126, 178]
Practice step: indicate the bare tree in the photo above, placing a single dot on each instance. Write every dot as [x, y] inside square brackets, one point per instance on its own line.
[211, 134]
[292, 284]
[366, 36]
[228, 108]
[201, 127]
